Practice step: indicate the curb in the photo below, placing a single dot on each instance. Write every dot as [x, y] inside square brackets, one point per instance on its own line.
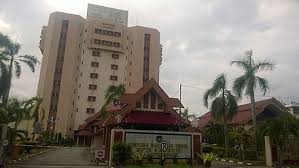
[29, 156]
[231, 161]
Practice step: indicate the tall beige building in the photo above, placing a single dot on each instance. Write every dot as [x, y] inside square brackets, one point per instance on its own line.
[83, 57]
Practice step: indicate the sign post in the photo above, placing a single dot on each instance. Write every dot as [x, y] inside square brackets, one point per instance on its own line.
[4, 143]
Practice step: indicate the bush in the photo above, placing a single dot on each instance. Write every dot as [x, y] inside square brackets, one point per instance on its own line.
[207, 149]
[150, 157]
[122, 152]
[138, 158]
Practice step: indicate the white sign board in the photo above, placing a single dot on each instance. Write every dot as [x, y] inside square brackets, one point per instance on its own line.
[170, 145]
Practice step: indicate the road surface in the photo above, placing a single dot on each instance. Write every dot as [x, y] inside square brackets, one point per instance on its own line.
[64, 157]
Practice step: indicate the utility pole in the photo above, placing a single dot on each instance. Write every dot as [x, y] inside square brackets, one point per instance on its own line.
[180, 98]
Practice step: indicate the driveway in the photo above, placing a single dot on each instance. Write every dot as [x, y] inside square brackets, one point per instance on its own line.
[63, 157]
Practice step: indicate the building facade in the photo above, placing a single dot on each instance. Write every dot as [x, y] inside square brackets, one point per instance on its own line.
[83, 57]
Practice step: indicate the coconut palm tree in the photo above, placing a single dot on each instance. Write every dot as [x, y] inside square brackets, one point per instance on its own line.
[34, 110]
[113, 93]
[248, 82]
[223, 106]
[10, 59]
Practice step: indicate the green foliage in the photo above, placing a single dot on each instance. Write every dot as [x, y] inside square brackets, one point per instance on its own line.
[280, 128]
[10, 62]
[223, 106]
[150, 157]
[138, 158]
[207, 158]
[122, 152]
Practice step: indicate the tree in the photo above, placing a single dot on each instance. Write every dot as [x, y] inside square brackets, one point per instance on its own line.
[279, 129]
[248, 82]
[185, 115]
[113, 93]
[34, 110]
[9, 62]
[224, 104]
[241, 137]
[213, 133]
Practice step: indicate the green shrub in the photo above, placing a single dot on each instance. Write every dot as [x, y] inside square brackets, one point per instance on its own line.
[122, 152]
[207, 158]
[138, 158]
[150, 157]
[207, 149]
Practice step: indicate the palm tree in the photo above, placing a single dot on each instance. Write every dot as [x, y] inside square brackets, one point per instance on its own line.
[9, 62]
[280, 128]
[113, 93]
[35, 112]
[185, 115]
[248, 82]
[224, 105]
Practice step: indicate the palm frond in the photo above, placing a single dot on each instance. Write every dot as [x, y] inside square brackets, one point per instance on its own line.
[219, 85]
[242, 63]
[263, 65]
[239, 85]
[29, 64]
[217, 107]
[17, 69]
[5, 41]
[264, 84]
[14, 49]
[30, 58]
[231, 105]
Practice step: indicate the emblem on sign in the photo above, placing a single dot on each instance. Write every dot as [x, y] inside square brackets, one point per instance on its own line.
[164, 146]
[4, 142]
[159, 139]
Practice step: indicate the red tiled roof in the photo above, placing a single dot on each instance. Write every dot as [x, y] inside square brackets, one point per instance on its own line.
[150, 117]
[243, 115]
[84, 133]
[127, 103]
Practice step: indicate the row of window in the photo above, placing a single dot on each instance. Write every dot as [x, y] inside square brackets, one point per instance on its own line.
[106, 32]
[97, 54]
[106, 43]
[95, 76]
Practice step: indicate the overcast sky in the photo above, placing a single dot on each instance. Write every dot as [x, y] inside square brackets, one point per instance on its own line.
[199, 38]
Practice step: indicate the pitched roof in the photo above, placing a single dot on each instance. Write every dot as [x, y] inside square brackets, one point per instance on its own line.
[127, 103]
[243, 115]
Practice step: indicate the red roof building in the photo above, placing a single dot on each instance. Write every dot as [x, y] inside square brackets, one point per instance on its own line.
[149, 108]
[265, 109]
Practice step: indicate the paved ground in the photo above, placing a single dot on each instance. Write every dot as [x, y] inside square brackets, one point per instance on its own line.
[65, 157]
[216, 164]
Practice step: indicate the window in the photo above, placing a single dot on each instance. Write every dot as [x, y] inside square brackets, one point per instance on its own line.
[98, 31]
[96, 41]
[114, 67]
[96, 53]
[115, 56]
[160, 106]
[138, 104]
[145, 101]
[130, 73]
[92, 87]
[92, 98]
[116, 45]
[117, 34]
[153, 100]
[106, 43]
[93, 75]
[112, 77]
[94, 64]
[90, 110]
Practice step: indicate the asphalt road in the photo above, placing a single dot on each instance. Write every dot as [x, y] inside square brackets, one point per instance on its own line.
[64, 157]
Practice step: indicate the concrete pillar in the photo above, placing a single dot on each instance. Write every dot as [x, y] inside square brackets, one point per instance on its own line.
[268, 151]
[77, 140]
